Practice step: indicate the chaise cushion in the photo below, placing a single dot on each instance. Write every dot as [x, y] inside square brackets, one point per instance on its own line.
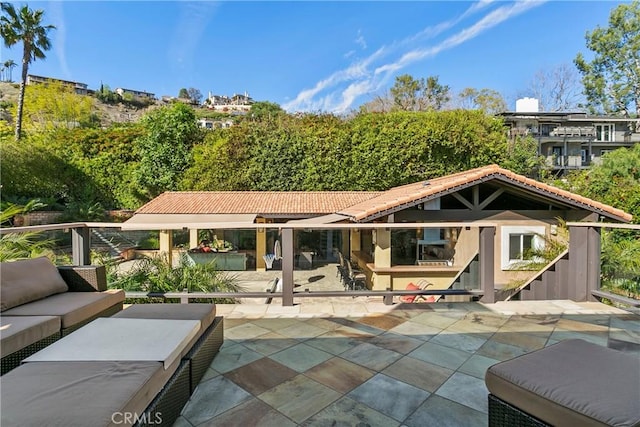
[28, 280]
[573, 382]
[71, 307]
[19, 332]
[79, 393]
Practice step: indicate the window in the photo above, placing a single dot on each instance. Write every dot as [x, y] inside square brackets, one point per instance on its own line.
[520, 247]
[605, 132]
[584, 156]
[518, 242]
[558, 156]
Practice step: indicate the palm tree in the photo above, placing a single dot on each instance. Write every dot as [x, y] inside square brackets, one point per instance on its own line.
[24, 25]
[9, 66]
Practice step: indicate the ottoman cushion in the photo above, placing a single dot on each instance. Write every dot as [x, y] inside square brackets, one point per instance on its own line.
[573, 382]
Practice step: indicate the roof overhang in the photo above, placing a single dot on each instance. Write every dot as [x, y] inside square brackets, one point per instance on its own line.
[182, 221]
[324, 219]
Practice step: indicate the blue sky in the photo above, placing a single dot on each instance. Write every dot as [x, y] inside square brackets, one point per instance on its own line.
[311, 56]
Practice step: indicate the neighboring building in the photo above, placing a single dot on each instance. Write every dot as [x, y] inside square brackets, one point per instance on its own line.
[236, 103]
[212, 124]
[445, 251]
[570, 140]
[80, 88]
[136, 93]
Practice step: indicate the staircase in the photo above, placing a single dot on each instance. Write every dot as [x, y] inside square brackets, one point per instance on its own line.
[111, 242]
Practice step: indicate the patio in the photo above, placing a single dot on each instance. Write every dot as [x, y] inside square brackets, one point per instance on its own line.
[356, 361]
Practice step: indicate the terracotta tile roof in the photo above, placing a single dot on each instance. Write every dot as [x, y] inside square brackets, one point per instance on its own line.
[255, 202]
[407, 194]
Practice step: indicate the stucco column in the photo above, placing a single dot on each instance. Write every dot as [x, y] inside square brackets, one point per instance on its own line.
[486, 254]
[287, 266]
[166, 244]
[193, 238]
[382, 258]
[354, 241]
[261, 246]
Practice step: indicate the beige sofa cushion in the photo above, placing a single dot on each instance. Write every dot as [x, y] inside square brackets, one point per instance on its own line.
[572, 383]
[68, 394]
[28, 280]
[18, 332]
[71, 307]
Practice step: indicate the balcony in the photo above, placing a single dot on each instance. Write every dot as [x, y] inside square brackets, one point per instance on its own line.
[327, 359]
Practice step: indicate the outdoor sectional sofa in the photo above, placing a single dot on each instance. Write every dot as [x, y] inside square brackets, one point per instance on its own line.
[138, 367]
[40, 303]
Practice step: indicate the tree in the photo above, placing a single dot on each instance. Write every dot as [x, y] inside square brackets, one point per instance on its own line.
[24, 25]
[557, 88]
[411, 94]
[56, 105]
[265, 110]
[184, 93]
[194, 95]
[8, 66]
[166, 147]
[612, 79]
[487, 100]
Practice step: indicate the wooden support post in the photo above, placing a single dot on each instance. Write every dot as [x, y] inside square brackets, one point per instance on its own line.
[578, 254]
[287, 267]
[594, 256]
[487, 263]
[81, 246]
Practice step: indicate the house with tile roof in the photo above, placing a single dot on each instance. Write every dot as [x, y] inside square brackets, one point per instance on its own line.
[441, 245]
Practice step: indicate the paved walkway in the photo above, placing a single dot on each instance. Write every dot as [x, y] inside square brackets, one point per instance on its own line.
[348, 362]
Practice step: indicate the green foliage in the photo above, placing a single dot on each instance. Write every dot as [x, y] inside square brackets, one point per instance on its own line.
[621, 263]
[156, 275]
[165, 148]
[30, 244]
[265, 110]
[371, 151]
[612, 79]
[487, 100]
[55, 105]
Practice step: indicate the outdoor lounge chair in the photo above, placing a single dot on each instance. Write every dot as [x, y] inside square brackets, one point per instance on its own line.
[422, 284]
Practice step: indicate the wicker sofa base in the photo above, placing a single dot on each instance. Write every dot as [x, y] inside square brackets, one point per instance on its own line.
[502, 414]
[165, 408]
[204, 350]
[13, 360]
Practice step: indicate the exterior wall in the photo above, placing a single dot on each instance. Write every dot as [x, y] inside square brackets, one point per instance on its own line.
[37, 218]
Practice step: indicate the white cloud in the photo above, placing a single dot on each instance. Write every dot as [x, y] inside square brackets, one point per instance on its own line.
[55, 15]
[192, 22]
[360, 41]
[360, 80]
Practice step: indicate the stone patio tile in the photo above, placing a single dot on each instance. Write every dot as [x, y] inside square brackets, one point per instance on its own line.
[251, 413]
[421, 374]
[465, 342]
[324, 323]
[580, 326]
[349, 309]
[466, 390]
[416, 330]
[224, 309]
[466, 326]
[270, 343]
[333, 342]
[441, 412]
[245, 331]
[500, 351]
[528, 327]
[210, 373]
[275, 309]
[301, 357]
[524, 340]
[477, 366]
[301, 331]
[440, 355]
[212, 398]
[275, 324]
[437, 320]
[625, 346]
[300, 398]
[233, 357]
[339, 374]
[317, 308]
[347, 413]
[381, 321]
[371, 356]
[182, 422]
[249, 309]
[396, 342]
[487, 319]
[357, 324]
[261, 375]
[389, 396]
[599, 338]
